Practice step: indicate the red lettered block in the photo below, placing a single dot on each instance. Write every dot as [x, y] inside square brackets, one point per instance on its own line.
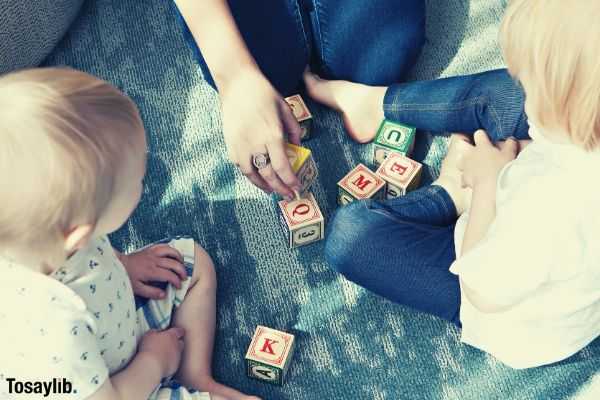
[401, 174]
[360, 183]
[302, 220]
[269, 355]
[302, 114]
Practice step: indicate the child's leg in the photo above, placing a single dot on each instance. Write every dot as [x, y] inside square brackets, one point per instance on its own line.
[490, 100]
[402, 249]
[197, 315]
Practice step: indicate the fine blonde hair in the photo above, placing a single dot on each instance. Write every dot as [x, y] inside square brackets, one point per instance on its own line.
[553, 48]
[63, 134]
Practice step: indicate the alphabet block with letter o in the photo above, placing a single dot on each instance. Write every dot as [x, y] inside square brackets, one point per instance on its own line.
[302, 164]
[360, 183]
[302, 114]
[269, 355]
[401, 174]
[302, 220]
[392, 137]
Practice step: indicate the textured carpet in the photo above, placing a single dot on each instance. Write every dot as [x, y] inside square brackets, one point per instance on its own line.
[351, 344]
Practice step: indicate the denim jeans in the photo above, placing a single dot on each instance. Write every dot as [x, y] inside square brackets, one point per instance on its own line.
[490, 100]
[400, 249]
[372, 42]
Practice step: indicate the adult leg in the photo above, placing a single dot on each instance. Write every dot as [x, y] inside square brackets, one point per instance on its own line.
[372, 42]
[401, 249]
[275, 35]
[490, 100]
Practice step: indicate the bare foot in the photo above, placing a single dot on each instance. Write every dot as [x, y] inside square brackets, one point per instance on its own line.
[451, 175]
[219, 391]
[361, 106]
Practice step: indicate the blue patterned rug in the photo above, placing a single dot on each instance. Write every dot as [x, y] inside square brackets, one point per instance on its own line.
[351, 344]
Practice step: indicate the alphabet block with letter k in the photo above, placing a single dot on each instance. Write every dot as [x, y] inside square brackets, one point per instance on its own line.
[269, 355]
[302, 221]
[392, 137]
[302, 115]
[360, 183]
[401, 174]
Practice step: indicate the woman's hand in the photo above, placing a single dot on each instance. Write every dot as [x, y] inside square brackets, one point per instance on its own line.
[159, 263]
[255, 120]
[485, 161]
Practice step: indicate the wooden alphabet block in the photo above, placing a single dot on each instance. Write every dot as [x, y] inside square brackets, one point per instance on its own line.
[302, 114]
[401, 174]
[360, 183]
[269, 355]
[302, 221]
[303, 165]
[392, 137]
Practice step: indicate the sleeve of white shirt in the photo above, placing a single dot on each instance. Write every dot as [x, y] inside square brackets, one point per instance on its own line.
[62, 346]
[518, 253]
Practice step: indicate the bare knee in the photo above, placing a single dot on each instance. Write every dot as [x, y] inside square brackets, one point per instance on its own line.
[204, 269]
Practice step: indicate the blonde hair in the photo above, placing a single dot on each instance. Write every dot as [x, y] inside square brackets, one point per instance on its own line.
[63, 134]
[552, 47]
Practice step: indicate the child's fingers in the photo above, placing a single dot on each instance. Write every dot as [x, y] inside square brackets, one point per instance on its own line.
[164, 250]
[149, 292]
[510, 147]
[177, 332]
[481, 138]
[174, 266]
[165, 275]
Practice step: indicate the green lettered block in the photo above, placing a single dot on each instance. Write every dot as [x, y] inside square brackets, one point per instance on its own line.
[392, 137]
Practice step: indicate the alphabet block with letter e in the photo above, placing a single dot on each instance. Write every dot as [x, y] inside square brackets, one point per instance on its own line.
[401, 174]
[392, 137]
[269, 355]
[302, 114]
[302, 164]
[360, 183]
[302, 220]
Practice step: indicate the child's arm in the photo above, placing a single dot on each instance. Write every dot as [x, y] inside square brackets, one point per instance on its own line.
[158, 356]
[481, 170]
[154, 264]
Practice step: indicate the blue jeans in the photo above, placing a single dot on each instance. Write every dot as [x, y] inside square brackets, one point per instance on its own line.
[490, 100]
[400, 249]
[372, 42]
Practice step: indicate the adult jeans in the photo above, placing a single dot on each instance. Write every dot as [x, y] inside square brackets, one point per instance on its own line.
[373, 42]
[490, 100]
[400, 249]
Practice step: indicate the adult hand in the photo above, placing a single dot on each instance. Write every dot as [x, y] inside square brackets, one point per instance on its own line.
[485, 161]
[165, 347]
[158, 263]
[255, 118]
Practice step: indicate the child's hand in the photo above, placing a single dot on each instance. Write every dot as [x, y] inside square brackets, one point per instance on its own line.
[484, 163]
[165, 347]
[159, 263]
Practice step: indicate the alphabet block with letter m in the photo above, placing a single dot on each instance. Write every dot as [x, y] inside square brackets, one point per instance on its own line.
[302, 164]
[302, 220]
[360, 183]
[392, 137]
[401, 174]
[302, 115]
[269, 355]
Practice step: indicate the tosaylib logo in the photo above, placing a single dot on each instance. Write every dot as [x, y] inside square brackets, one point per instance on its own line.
[45, 388]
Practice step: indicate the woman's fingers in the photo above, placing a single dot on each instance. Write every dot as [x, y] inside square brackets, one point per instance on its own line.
[281, 165]
[250, 172]
[290, 124]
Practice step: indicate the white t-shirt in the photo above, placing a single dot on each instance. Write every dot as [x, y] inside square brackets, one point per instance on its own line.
[541, 254]
[81, 330]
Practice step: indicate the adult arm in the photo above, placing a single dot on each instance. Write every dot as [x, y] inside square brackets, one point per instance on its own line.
[255, 116]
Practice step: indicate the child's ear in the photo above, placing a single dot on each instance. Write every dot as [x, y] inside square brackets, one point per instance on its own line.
[78, 237]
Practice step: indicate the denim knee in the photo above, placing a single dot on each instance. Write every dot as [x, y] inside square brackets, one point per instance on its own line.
[347, 230]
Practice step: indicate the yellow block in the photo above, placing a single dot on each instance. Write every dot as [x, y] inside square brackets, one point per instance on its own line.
[297, 156]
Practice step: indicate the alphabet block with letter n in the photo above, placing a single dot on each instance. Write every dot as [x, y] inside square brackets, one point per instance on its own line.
[392, 137]
[302, 220]
[401, 174]
[360, 183]
[269, 355]
[302, 164]
[302, 114]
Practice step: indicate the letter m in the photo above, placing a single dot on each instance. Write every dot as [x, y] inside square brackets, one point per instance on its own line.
[361, 182]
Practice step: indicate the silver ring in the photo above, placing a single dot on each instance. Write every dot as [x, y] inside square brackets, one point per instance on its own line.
[260, 160]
